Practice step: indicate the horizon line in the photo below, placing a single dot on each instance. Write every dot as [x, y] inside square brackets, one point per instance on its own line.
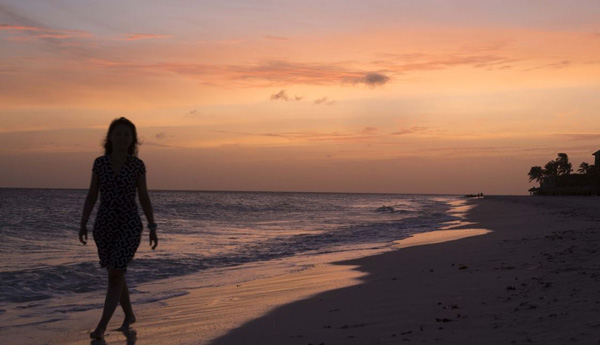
[255, 191]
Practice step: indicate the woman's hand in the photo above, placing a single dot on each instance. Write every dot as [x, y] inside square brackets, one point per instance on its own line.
[153, 238]
[83, 234]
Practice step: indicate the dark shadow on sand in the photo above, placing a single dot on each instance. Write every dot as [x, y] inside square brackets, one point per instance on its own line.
[490, 289]
[358, 314]
[130, 337]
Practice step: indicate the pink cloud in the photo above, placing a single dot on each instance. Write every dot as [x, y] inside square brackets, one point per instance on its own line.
[8, 27]
[34, 32]
[268, 73]
[279, 73]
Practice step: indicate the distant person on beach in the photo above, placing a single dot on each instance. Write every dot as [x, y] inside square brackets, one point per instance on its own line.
[118, 228]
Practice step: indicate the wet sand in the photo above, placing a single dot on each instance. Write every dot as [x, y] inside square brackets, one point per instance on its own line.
[534, 279]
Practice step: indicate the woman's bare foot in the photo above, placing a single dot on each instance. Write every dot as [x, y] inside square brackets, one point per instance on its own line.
[129, 320]
[97, 334]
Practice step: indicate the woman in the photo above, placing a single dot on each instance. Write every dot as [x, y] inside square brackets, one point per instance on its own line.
[118, 227]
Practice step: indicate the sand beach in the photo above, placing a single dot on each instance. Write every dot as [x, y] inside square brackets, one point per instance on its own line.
[534, 279]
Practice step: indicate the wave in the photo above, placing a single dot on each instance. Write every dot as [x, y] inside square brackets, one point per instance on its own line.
[205, 231]
[46, 282]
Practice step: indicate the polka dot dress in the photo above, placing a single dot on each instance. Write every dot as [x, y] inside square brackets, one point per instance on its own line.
[118, 227]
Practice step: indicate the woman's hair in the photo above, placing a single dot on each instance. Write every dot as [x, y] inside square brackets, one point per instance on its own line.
[133, 148]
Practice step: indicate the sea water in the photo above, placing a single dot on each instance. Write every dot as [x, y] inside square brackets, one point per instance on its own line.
[226, 237]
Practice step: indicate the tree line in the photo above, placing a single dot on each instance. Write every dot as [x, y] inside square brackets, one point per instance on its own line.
[558, 167]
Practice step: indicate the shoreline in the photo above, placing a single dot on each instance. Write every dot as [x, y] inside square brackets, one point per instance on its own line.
[530, 279]
[191, 295]
[213, 312]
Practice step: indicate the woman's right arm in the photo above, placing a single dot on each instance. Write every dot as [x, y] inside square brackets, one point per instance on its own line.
[90, 201]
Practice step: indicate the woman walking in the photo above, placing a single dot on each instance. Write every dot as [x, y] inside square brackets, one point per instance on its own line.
[118, 227]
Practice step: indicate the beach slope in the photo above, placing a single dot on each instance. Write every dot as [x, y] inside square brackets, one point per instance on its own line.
[533, 279]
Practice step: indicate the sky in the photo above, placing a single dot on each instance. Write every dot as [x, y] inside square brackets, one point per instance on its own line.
[404, 96]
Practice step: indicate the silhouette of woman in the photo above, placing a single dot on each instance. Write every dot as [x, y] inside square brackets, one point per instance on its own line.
[118, 227]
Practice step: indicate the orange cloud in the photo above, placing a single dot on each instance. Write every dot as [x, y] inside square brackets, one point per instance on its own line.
[262, 74]
[427, 62]
[8, 27]
[411, 130]
[361, 135]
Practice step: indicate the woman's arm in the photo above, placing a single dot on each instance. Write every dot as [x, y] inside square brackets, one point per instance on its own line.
[88, 206]
[145, 198]
[147, 207]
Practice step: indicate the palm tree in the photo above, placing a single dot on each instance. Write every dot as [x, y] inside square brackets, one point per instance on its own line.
[564, 167]
[536, 173]
[551, 169]
[584, 168]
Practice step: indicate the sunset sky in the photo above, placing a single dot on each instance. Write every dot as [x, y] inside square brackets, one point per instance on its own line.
[406, 96]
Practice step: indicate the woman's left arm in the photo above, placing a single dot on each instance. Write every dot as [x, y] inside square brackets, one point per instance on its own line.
[147, 207]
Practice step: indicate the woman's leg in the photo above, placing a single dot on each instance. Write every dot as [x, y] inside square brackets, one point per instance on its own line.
[116, 279]
[126, 305]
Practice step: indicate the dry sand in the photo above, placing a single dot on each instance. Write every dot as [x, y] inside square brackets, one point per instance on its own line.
[534, 279]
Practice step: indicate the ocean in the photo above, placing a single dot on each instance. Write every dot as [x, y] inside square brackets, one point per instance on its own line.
[227, 237]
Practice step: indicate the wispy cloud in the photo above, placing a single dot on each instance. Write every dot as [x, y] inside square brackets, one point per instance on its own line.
[369, 130]
[283, 96]
[578, 136]
[24, 32]
[426, 62]
[279, 72]
[371, 79]
[19, 28]
[193, 114]
[23, 28]
[552, 65]
[269, 73]
[150, 143]
[324, 101]
[477, 61]
[559, 64]
[411, 130]
[359, 135]
[297, 73]
[35, 32]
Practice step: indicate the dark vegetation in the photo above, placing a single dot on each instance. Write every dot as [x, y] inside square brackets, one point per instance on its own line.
[556, 178]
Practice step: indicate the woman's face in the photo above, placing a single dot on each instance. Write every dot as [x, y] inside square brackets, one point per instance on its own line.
[121, 138]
